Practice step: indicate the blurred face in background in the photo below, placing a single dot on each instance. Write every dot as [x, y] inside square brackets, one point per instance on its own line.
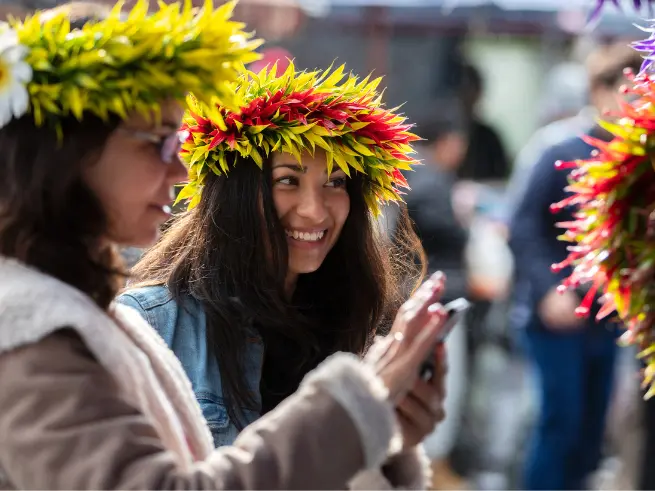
[449, 150]
[605, 94]
[605, 67]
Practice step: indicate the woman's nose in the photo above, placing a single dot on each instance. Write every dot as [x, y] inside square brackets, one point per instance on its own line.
[312, 205]
[177, 171]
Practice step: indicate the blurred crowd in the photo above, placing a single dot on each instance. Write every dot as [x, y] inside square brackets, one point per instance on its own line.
[538, 397]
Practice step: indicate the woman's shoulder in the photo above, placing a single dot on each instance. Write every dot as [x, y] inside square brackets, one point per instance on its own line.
[144, 298]
[34, 304]
[165, 312]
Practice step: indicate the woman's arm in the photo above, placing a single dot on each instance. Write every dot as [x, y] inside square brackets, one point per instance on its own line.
[64, 425]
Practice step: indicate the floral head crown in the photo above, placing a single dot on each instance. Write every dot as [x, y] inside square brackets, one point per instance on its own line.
[119, 64]
[614, 225]
[298, 112]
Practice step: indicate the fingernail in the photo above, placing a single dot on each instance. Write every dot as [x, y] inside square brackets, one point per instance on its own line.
[438, 276]
[437, 308]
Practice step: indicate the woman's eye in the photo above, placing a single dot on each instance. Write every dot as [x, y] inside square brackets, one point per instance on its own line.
[289, 181]
[337, 182]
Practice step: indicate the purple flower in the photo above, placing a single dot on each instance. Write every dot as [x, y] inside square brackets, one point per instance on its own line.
[637, 4]
[647, 48]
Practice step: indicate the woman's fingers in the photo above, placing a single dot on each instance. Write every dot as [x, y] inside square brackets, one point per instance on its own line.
[416, 419]
[415, 332]
[422, 418]
[426, 339]
[430, 291]
[413, 313]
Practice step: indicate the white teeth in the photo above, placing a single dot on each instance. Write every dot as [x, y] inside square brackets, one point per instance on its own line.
[305, 236]
[166, 209]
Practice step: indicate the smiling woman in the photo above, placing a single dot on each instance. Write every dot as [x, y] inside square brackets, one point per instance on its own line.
[312, 207]
[278, 263]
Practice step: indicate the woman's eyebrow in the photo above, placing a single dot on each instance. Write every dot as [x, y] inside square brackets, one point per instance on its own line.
[294, 167]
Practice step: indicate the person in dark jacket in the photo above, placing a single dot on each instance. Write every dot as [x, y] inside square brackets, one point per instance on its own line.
[574, 357]
[486, 156]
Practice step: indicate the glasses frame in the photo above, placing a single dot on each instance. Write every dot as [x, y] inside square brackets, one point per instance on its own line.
[169, 145]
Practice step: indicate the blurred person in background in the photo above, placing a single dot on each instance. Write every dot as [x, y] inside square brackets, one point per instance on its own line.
[444, 237]
[573, 357]
[565, 113]
[486, 155]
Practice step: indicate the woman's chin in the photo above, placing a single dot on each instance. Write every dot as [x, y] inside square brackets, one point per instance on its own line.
[141, 240]
[304, 267]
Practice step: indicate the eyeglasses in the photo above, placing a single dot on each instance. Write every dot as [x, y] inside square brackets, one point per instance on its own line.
[168, 145]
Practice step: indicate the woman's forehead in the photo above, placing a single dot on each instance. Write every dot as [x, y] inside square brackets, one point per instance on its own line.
[308, 161]
[171, 113]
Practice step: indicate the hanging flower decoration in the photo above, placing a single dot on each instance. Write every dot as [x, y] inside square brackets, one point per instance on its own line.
[613, 229]
[638, 5]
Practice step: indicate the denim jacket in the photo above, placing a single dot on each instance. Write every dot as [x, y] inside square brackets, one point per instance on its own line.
[184, 330]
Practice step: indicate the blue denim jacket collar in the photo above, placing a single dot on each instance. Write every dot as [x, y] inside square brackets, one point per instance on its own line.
[183, 328]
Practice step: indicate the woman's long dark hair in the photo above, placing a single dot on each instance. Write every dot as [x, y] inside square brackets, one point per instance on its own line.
[49, 218]
[232, 257]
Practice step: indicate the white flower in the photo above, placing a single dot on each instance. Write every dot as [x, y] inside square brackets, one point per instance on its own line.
[15, 74]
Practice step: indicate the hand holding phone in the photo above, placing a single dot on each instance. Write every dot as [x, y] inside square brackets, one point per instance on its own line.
[455, 311]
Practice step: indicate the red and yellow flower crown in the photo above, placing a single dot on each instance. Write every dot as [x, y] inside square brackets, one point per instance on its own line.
[298, 112]
[614, 225]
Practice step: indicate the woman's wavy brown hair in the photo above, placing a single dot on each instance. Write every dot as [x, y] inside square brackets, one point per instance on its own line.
[49, 218]
[232, 257]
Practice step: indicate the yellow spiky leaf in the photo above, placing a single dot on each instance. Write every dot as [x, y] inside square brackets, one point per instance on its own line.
[111, 64]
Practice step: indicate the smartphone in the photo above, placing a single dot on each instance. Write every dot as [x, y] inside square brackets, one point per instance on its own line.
[455, 312]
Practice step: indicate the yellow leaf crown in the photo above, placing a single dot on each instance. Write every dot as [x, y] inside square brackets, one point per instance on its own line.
[131, 62]
[297, 112]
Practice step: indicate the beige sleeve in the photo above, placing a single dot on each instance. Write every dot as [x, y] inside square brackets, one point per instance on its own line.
[64, 425]
[409, 469]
